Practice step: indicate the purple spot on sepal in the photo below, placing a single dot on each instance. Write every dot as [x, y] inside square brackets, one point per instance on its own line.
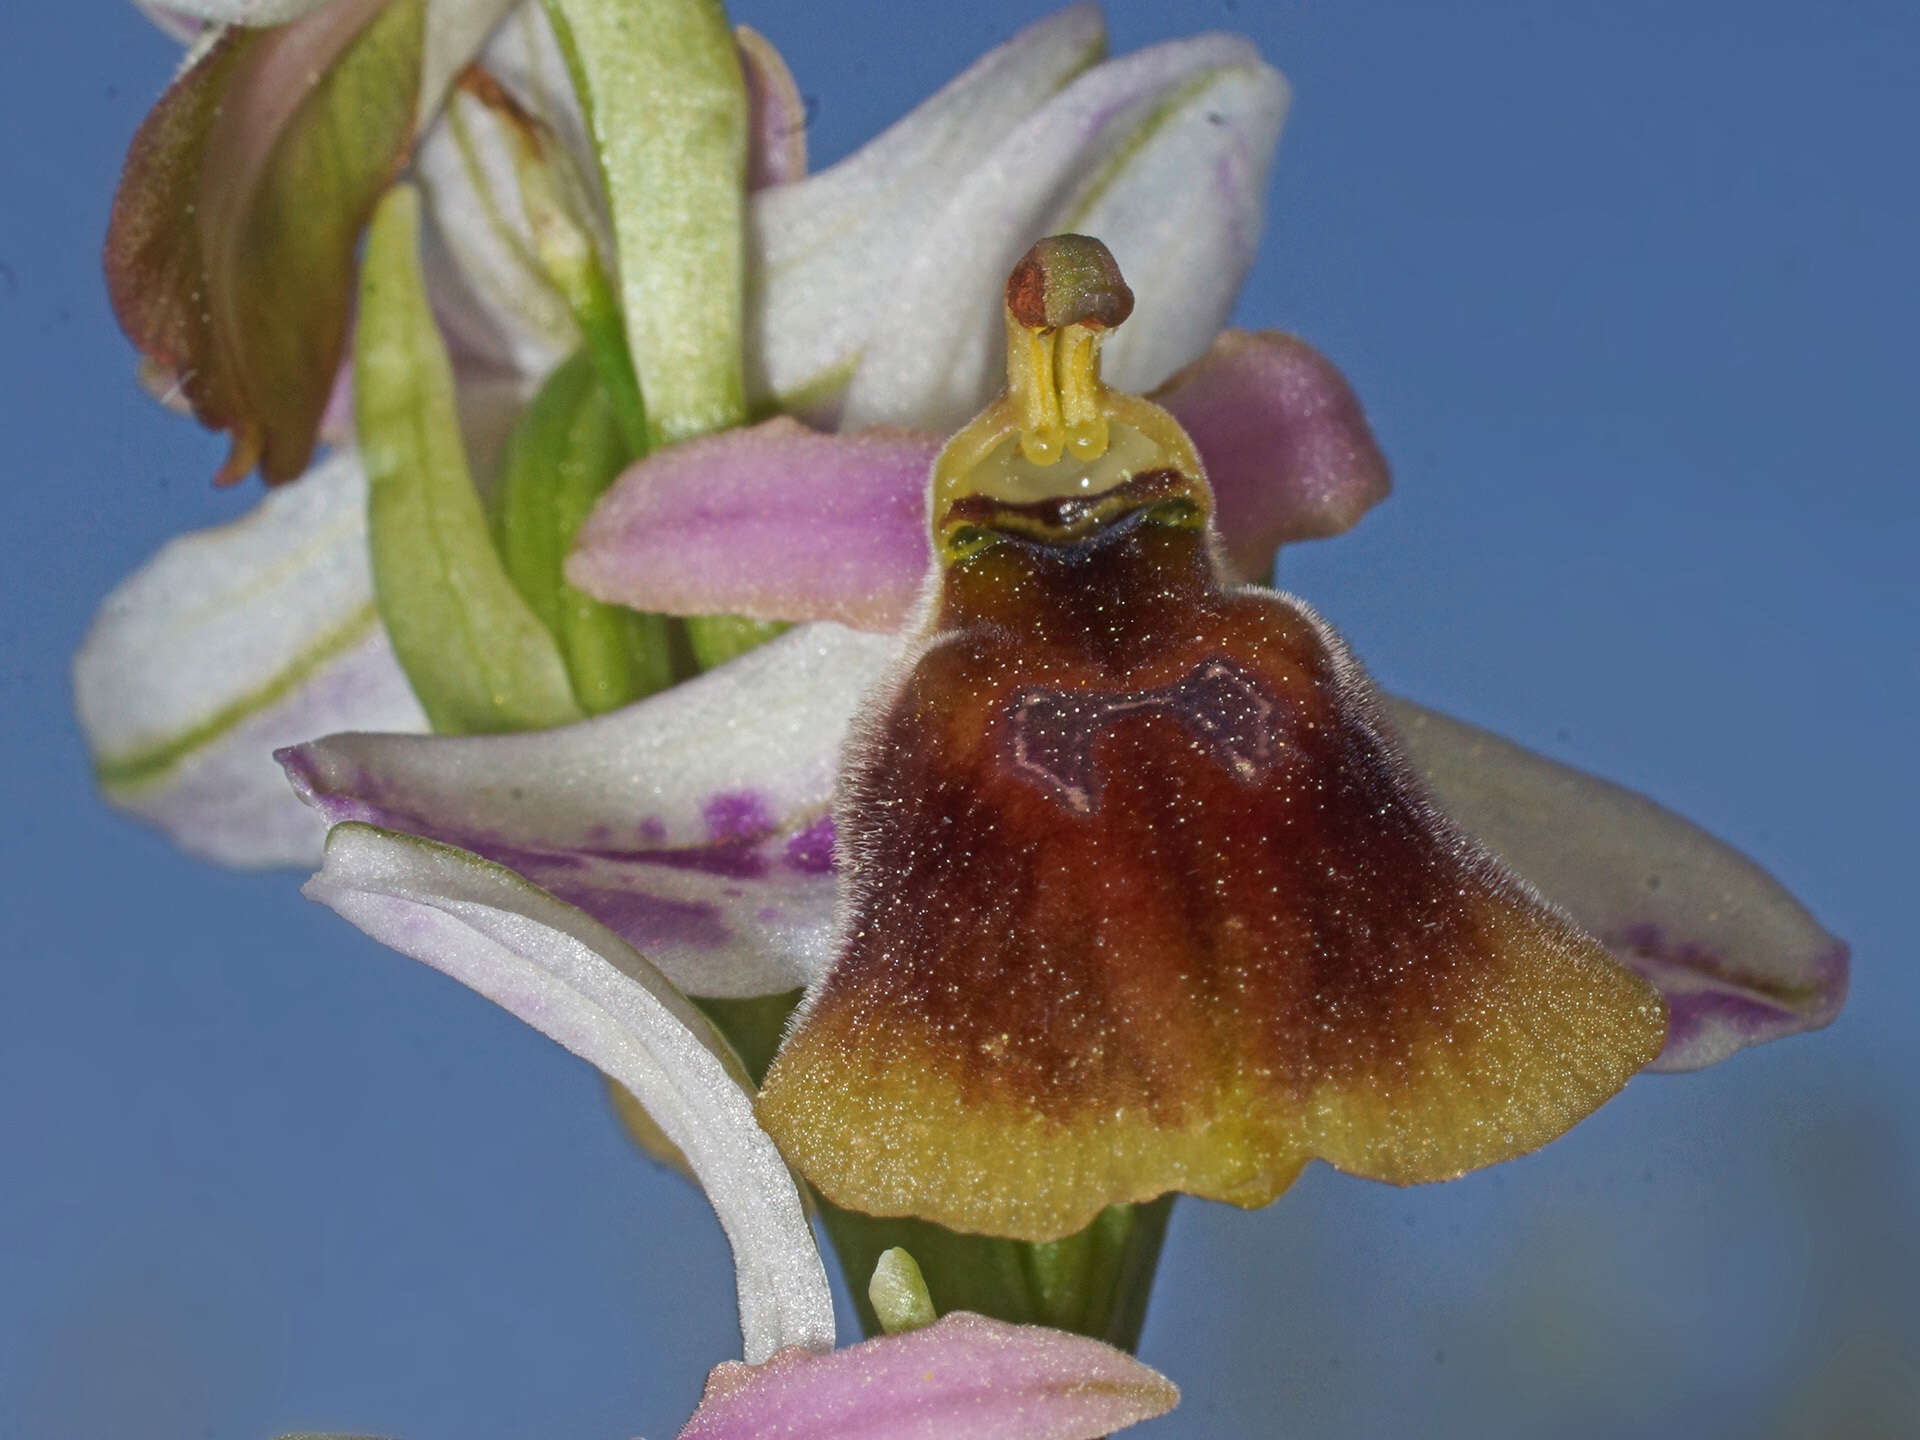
[643, 920]
[1714, 1007]
[1689, 966]
[811, 850]
[653, 830]
[1650, 941]
[733, 860]
[1688, 1012]
[737, 815]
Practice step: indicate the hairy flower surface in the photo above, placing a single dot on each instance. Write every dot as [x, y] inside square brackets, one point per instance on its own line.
[1126, 882]
[1141, 895]
[1187, 938]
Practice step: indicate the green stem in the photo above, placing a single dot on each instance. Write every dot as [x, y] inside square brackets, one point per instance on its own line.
[1094, 1283]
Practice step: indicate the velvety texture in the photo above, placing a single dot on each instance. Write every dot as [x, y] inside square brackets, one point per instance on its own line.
[1142, 898]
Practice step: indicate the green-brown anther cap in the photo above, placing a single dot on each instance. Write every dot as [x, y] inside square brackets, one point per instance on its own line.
[1068, 280]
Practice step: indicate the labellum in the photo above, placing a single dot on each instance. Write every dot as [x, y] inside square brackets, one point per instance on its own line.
[1140, 894]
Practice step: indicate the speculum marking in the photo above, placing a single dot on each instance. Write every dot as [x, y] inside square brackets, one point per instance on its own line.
[1218, 703]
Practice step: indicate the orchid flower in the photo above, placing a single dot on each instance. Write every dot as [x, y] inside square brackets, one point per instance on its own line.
[600, 862]
[715, 856]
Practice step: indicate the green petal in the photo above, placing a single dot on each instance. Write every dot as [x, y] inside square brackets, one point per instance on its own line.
[477, 656]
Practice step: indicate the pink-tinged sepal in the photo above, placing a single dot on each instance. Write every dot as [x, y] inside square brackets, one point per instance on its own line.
[1739, 960]
[961, 1378]
[782, 522]
[778, 522]
[696, 825]
[1288, 451]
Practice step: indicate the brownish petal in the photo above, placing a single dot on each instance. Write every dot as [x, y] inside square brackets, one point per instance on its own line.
[1142, 898]
[154, 268]
[229, 253]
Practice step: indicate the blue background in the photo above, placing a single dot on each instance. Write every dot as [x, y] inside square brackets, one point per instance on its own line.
[1630, 293]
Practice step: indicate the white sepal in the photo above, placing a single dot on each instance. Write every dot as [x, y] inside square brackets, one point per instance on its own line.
[582, 986]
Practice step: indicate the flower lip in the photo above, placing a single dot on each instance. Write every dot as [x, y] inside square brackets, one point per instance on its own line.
[1143, 898]
[1141, 895]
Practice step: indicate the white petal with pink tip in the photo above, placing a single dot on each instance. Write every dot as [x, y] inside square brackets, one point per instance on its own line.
[1738, 958]
[697, 824]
